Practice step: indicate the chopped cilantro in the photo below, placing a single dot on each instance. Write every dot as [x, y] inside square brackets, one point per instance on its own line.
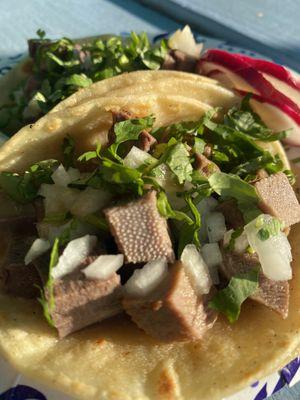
[229, 300]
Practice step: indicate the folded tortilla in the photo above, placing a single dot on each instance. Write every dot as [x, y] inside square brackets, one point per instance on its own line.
[114, 359]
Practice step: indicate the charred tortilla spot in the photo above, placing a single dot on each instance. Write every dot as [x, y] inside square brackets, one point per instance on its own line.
[166, 385]
[141, 233]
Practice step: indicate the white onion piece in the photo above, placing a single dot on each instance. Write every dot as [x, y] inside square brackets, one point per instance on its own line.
[38, 247]
[75, 252]
[274, 253]
[184, 40]
[215, 226]
[137, 157]
[104, 266]
[213, 258]
[204, 207]
[58, 199]
[61, 177]
[240, 243]
[89, 201]
[145, 280]
[74, 174]
[284, 88]
[196, 269]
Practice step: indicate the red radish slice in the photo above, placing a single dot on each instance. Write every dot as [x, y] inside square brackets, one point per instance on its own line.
[210, 69]
[278, 117]
[275, 70]
[233, 63]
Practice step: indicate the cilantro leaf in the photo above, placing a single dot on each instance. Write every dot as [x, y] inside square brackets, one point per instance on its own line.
[47, 295]
[179, 162]
[228, 186]
[229, 300]
[90, 155]
[78, 80]
[24, 188]
[268, 227]
[68, 149]
[129, 130]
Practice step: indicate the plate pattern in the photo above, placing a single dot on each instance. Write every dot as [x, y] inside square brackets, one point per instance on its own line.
[16, 387]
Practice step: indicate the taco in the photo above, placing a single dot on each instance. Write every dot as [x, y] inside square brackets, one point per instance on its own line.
[156, 232]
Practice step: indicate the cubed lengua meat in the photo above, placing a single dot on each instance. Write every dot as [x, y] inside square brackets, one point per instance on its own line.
[80, 302]
[16, 278]
[273, 294]
[140, 232]
[173, 311]
[278, 198]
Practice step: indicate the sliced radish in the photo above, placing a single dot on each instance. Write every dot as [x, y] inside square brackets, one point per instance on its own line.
[272, 69]
[104, 266]
[196, 269]
[221, 77]
[234, 64]
[145, 280]
[278, 118]
[75, 252]
[38, 247]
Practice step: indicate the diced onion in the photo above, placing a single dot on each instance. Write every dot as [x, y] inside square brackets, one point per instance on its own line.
[240, 244]
[196, 269]
[38, 247]
[61, 177]
[137, 157]
[213, 258]
[215, 226]
[274, 253]
[74, 174]
[104, 266]
[89, 201]
[145, 280]
[75, 252]
[58, 199]
[184, 41]
[204, 207]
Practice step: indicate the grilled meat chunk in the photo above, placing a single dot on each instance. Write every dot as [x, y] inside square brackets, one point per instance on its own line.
[233, 217]
[80, 302]
[178, 60]
[16, 278]
[205, 166]
[140, 232]
[273, 294]
[146, 141]
[278, 198]
[173, 311]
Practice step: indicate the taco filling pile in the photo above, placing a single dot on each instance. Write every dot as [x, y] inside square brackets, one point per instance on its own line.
[173, 225]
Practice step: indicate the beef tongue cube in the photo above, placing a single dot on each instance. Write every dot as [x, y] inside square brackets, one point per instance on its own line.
[278, 198]
[178, 60]
[141, 233]
[16, 278]
[173, 311]
[273, 294]
[80, 302]
[146, 141]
